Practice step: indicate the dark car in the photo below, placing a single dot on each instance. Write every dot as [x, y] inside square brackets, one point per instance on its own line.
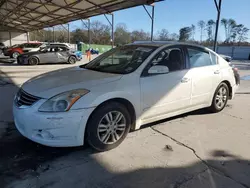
[92, 51]
[48, 54]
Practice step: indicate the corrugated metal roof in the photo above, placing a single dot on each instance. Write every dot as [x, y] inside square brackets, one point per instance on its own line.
[28, 15]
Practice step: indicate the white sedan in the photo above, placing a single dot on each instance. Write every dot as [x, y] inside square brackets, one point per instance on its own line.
[119, 91]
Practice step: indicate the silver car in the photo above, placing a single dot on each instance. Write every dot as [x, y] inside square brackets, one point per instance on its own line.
[48, 54]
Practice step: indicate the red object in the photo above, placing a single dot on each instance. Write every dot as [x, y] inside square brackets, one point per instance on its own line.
[20, 48]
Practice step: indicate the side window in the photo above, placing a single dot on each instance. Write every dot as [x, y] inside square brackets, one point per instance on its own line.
[198, 58]
[172, 58]
[52, 49]
[62, 49]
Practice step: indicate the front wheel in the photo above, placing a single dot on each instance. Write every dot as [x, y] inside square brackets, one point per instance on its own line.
[108, 126]
[220, 98]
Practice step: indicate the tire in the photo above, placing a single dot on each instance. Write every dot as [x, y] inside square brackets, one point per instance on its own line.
[72, 60]
[15, 55]
[220, 98]
[33, 61]
[98, 126]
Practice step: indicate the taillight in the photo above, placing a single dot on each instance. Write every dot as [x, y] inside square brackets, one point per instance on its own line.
[235, 69]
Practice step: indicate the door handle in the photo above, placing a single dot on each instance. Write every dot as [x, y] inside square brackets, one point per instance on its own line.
[185, 80]
[217, 72]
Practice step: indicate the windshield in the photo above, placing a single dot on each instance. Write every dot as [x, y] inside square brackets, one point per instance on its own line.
[121, 60]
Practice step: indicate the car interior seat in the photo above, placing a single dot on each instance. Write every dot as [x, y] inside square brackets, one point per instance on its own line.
[174, 61]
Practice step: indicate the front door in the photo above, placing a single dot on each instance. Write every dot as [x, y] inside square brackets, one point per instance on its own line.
[169, 92]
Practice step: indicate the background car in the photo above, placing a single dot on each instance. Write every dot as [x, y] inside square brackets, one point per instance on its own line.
[15, 50]
[92, 51]
[48, 54]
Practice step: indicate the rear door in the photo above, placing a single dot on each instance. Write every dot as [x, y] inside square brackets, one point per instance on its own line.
[62, 54]
[205, 74]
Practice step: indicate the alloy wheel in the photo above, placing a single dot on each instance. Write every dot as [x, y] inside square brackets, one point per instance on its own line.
[221, 97]
[111, 127]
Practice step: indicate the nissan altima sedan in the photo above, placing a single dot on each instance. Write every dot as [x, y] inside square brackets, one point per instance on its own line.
[119, 91]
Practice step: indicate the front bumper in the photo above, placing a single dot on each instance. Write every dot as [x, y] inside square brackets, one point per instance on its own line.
[51, 129]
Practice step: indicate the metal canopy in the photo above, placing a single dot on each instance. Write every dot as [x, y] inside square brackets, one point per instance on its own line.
[29, 15]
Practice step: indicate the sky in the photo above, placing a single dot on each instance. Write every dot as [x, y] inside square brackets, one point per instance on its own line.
[175, 14]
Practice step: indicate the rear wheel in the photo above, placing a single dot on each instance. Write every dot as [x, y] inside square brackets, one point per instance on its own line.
[72, 60]
[33, 61]
[108, 126]
[15, 55]
[220, 98]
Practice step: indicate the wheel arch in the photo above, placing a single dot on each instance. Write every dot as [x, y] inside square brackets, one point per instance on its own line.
[229, 87]
[122, 101]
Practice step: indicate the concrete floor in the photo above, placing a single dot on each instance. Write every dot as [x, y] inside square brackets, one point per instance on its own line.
[198, 149]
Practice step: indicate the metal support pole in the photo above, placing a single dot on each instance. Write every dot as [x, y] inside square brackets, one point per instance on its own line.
[28, 37]
[68, 34]
[53, 34]
[89, 31]
[112, 28]
[10, 38]
[152, 20]
[217, 22]
[152, 25]
[113, 36]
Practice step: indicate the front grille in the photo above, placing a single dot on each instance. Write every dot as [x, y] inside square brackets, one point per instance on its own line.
[25, 99]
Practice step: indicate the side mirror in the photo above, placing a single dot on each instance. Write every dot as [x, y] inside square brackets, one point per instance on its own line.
[158, 69]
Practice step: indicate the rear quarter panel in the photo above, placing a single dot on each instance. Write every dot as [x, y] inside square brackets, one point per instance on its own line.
[226, 71]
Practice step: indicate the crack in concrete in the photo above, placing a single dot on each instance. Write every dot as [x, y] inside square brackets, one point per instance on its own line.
[215, 169]
[232, 115]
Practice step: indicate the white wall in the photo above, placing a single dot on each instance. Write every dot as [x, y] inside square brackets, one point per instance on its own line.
[16, 37]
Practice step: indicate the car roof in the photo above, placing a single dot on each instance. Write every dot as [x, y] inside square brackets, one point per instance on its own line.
[166, 43]
[57, 45]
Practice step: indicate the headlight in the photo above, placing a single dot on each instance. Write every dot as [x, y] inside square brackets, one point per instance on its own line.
[63, 102]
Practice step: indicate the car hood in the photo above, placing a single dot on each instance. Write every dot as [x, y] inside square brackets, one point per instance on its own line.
[50, 84]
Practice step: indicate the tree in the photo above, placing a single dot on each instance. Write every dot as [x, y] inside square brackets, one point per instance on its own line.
[230, 27]
[185, 33]
[242, 32]
[193, 31]
[210, 30]
[100, 33]
[79, 35]
[174, 37]
[122, 35]
[138, 35]
[201, 24]
[163, 35]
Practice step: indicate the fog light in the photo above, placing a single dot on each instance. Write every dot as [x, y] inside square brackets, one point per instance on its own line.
[44, 134]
